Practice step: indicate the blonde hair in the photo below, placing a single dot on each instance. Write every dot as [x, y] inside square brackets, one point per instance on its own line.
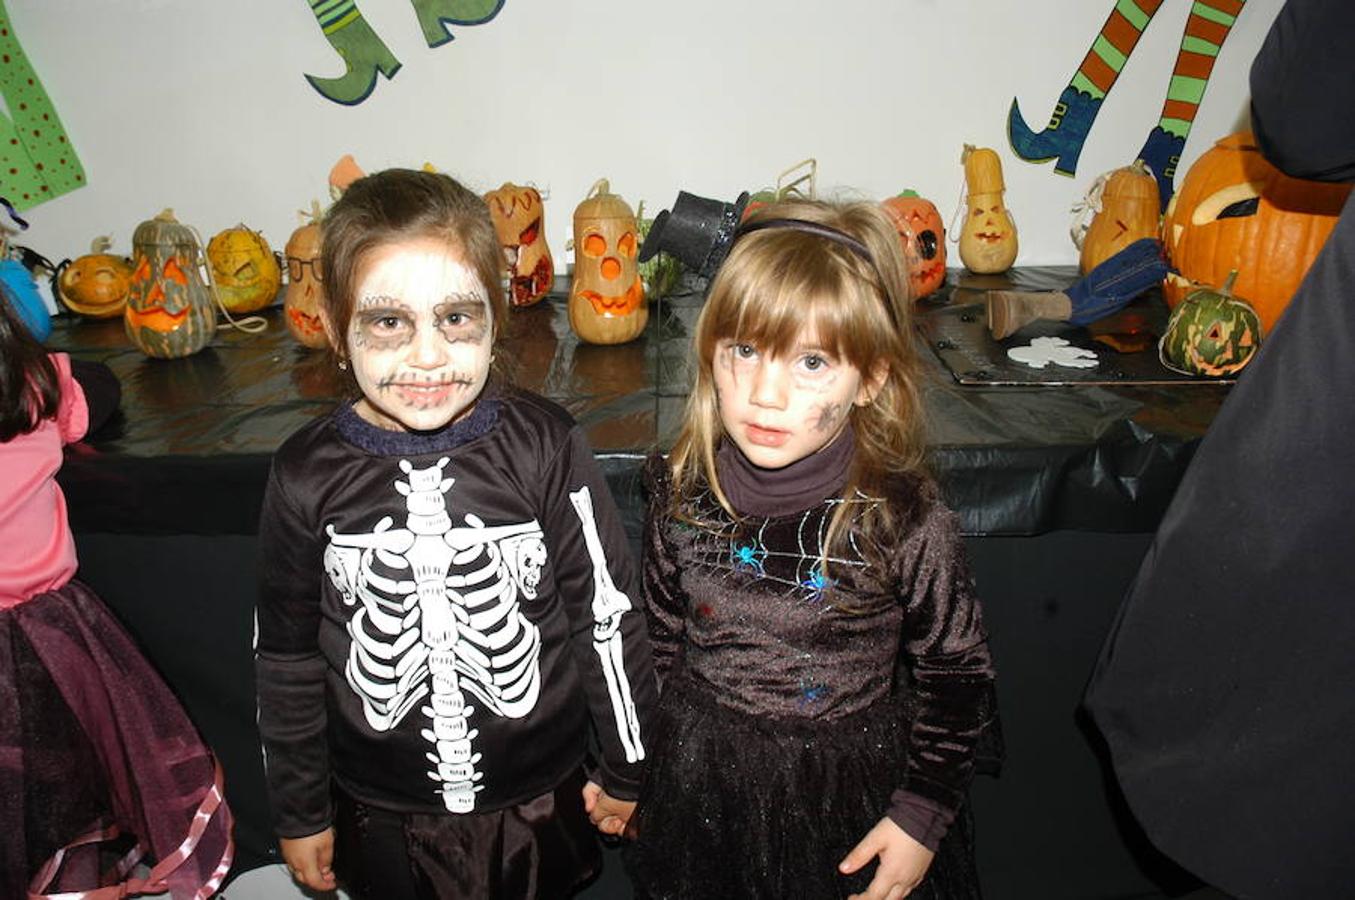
[779, 280]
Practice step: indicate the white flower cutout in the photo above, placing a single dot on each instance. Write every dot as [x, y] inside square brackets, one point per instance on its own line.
[1042, 351]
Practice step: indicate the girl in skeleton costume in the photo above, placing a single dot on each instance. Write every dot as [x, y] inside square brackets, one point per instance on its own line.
[96, 754]
[796, 558]
[447, 601]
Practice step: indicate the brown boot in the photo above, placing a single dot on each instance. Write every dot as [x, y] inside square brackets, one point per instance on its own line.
[1009, 311]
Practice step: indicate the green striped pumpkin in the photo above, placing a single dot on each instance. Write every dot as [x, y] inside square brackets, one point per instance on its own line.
[1211, 333]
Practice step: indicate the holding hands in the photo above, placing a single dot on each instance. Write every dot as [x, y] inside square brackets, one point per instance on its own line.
[310, 859]
[608, 814]
[903, 862]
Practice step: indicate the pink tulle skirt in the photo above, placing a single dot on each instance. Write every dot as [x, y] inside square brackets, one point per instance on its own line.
[106, 789]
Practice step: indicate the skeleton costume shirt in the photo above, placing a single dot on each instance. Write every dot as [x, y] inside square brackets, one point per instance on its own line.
[442, 614]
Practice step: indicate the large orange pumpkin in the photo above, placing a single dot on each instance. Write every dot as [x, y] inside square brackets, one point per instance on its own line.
[1129, 211]
[1235, 211]
[923, 236]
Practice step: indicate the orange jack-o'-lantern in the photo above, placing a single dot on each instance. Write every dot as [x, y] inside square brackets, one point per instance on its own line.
[96, 284]
[305, 292]
[519, 220]
[244, 268]
[988, 236]
[606, 296]
[923, 236]
[1235, 211]
[169, 309]
[1127, 208]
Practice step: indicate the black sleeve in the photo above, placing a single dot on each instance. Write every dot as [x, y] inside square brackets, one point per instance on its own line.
[1303, 90]
[599, 586]
[103, 391]
[289, 668]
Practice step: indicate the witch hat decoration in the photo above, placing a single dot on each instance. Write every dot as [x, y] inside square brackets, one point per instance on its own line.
[697, 230]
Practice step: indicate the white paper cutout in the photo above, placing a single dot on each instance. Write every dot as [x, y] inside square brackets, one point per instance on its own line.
[1042, 351]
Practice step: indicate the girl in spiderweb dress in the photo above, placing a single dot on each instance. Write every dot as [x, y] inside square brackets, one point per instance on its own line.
[824, 667]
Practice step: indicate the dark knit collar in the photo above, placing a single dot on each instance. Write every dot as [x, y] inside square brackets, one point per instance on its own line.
[357, 431]
[755, 491]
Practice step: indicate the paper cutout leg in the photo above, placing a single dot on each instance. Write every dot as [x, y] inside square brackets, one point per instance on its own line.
[1206, 29]
[37, 162]
[363, 52]
[436, 15]
[1081, 100]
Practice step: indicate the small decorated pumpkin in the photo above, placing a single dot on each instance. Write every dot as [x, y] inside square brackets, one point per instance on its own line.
[1128, 211]
[1237, 212]
[97, 283]
[169, 309]
[305, 292]
[1211, 332]
[988, 241]
[244, 268]
[923, 236]
[519, 220]
[606, 296]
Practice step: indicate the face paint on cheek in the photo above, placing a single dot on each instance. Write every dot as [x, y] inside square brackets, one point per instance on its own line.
[829, 415]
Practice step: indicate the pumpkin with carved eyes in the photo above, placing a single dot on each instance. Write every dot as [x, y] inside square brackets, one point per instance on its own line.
[923, 236]
[519, 221]
[1130, 211]
[1211, 332]
[305, 293]
[244, 268]
[606, 296]
[169, 309]
[1237, 212]
[988, 236]
[96, 284]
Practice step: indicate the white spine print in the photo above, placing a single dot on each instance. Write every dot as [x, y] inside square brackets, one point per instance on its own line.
[609, 604]
[452, 626]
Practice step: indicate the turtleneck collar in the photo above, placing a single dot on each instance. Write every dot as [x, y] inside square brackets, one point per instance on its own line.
[755, 491]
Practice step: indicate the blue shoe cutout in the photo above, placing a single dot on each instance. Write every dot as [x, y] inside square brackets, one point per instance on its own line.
[1162, 153]
[1062, 137]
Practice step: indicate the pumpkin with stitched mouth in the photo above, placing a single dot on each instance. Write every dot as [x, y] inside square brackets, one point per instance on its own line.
[923, 237]
[606, 295]
[244, 268]
[988, 241]
[1235, 211]
[169, 310]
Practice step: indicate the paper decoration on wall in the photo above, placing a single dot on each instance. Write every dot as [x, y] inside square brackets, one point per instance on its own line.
[1206, 29]
[37, 162]
[364, 53]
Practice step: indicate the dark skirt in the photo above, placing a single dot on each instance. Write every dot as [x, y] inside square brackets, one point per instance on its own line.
[751, 807]
[543, 848]
[98, 760]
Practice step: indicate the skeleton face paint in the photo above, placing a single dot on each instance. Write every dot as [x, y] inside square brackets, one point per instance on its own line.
[420, 336]
[778, 410]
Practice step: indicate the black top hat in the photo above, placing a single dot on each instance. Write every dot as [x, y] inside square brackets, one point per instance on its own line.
[698, 231]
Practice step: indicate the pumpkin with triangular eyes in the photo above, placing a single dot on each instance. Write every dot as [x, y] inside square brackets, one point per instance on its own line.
[1211, 333]
[169, 310]
[988, 241]
[246, 272]
[923, 237]
[1237, 212]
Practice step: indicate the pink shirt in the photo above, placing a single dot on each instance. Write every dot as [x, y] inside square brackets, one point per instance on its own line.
[37, 551]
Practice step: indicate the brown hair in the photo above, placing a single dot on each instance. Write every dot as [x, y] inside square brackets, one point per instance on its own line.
[775, 282]
[399, 205]
[30, 389]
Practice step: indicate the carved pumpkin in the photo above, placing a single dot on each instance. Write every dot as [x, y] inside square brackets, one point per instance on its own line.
[988, 236]
[923, 236]
[244, 268]
[606, 296]
[1235, 211]
[169, 309]
[1211, 333]
[519, 220]
[1129, 211]
[305, 294]
[96, 284]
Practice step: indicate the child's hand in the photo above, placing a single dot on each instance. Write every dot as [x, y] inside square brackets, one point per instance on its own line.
[608, 814]
[310, 859]
[903, 862]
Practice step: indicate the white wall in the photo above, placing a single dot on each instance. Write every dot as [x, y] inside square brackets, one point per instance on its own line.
[201, 105]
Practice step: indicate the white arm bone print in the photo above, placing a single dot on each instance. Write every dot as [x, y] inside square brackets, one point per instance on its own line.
[609, 604]
[439, 614]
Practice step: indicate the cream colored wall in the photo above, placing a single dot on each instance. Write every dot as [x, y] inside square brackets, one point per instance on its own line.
[202, 106]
